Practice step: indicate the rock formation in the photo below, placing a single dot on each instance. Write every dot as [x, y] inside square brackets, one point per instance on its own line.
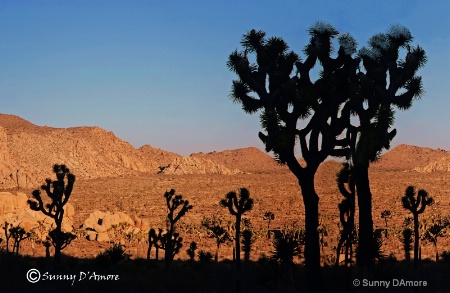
[191, 165]
[15, 210]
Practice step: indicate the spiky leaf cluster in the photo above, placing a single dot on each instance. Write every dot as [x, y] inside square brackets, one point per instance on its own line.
[58, 191]
[237, 206]
[279, 85]
[387, 82]
[416, 204]
[173, 202]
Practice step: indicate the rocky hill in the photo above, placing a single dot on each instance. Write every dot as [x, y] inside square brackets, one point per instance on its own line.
[27, 153]
[192, 165]
[406, 157]
[250, 160]
[159, 156]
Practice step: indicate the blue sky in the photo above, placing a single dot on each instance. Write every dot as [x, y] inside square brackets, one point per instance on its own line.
[154, 72]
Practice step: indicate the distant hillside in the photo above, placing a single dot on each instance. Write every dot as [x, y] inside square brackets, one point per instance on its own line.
[159, 156]
[250, 160]
[192, 165]
[407, 157]
[28, 152]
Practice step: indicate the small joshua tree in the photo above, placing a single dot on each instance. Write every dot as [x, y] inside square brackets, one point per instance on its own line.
[436, 230]
[406, 239]
[247, 242]
[215, 229]
[191, 250]
[154, 240]
[237, 207]
[18, 234]
[416, 205]
[8, 234]
[346, 186]
[62, 189]
[172, 242]
[287, 245]
[386, 214]
[268, 216]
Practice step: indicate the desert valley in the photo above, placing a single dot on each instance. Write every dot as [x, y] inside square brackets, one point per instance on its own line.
[114, 179]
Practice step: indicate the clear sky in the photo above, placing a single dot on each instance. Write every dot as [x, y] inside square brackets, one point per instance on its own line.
[154, 72]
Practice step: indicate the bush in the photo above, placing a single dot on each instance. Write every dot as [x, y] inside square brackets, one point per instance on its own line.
[205, 256]
[112, 255]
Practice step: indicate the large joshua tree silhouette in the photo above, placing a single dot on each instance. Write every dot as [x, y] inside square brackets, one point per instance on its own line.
[416, 205]
[386, 82]
[298, 112]
[237, 207]
[59, 192]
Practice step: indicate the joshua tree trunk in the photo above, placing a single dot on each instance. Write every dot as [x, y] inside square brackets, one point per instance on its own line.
[237, 238]
[216, 257]
[58, 237]
[312, 245]
[416, 240]
[365, 243]
[436, 250]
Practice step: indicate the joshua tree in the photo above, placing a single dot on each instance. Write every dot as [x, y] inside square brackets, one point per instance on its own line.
[191, 250]
[386, 214]
[287, 96]
[18, 234]
[237, 207]
[8, 234]
[268, 216]
[154, 240]
[62, 189]
[172, 242]
[216, 230]
[348, 235]
[416, 205]
[436, 230]
[385, 83]
[287, 245]
[406, 239]
[247, 243]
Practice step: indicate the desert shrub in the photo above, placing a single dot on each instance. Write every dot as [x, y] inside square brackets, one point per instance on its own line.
[191, 250]
[205, 256]
[445, 256]
[111, 256]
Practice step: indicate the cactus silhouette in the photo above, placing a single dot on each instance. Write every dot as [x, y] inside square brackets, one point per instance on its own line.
[435, 230]
[191, 250]
[215, 229]
[247, 243]
[268, 216]
[237, 207]
[386, 214]
[348, 235]
[59, 192]
[416, 205]
[406, 239]
[18, 234]
[171, 241]
[8, 234]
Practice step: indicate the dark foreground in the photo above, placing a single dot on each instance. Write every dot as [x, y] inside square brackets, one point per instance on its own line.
[93, 275]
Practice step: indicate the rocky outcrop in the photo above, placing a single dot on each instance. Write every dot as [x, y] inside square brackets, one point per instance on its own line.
[159, 156]
[249, 160]
[15, 210]
[101, 226]
[191, 165]
[442, 164]
[407, 157]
